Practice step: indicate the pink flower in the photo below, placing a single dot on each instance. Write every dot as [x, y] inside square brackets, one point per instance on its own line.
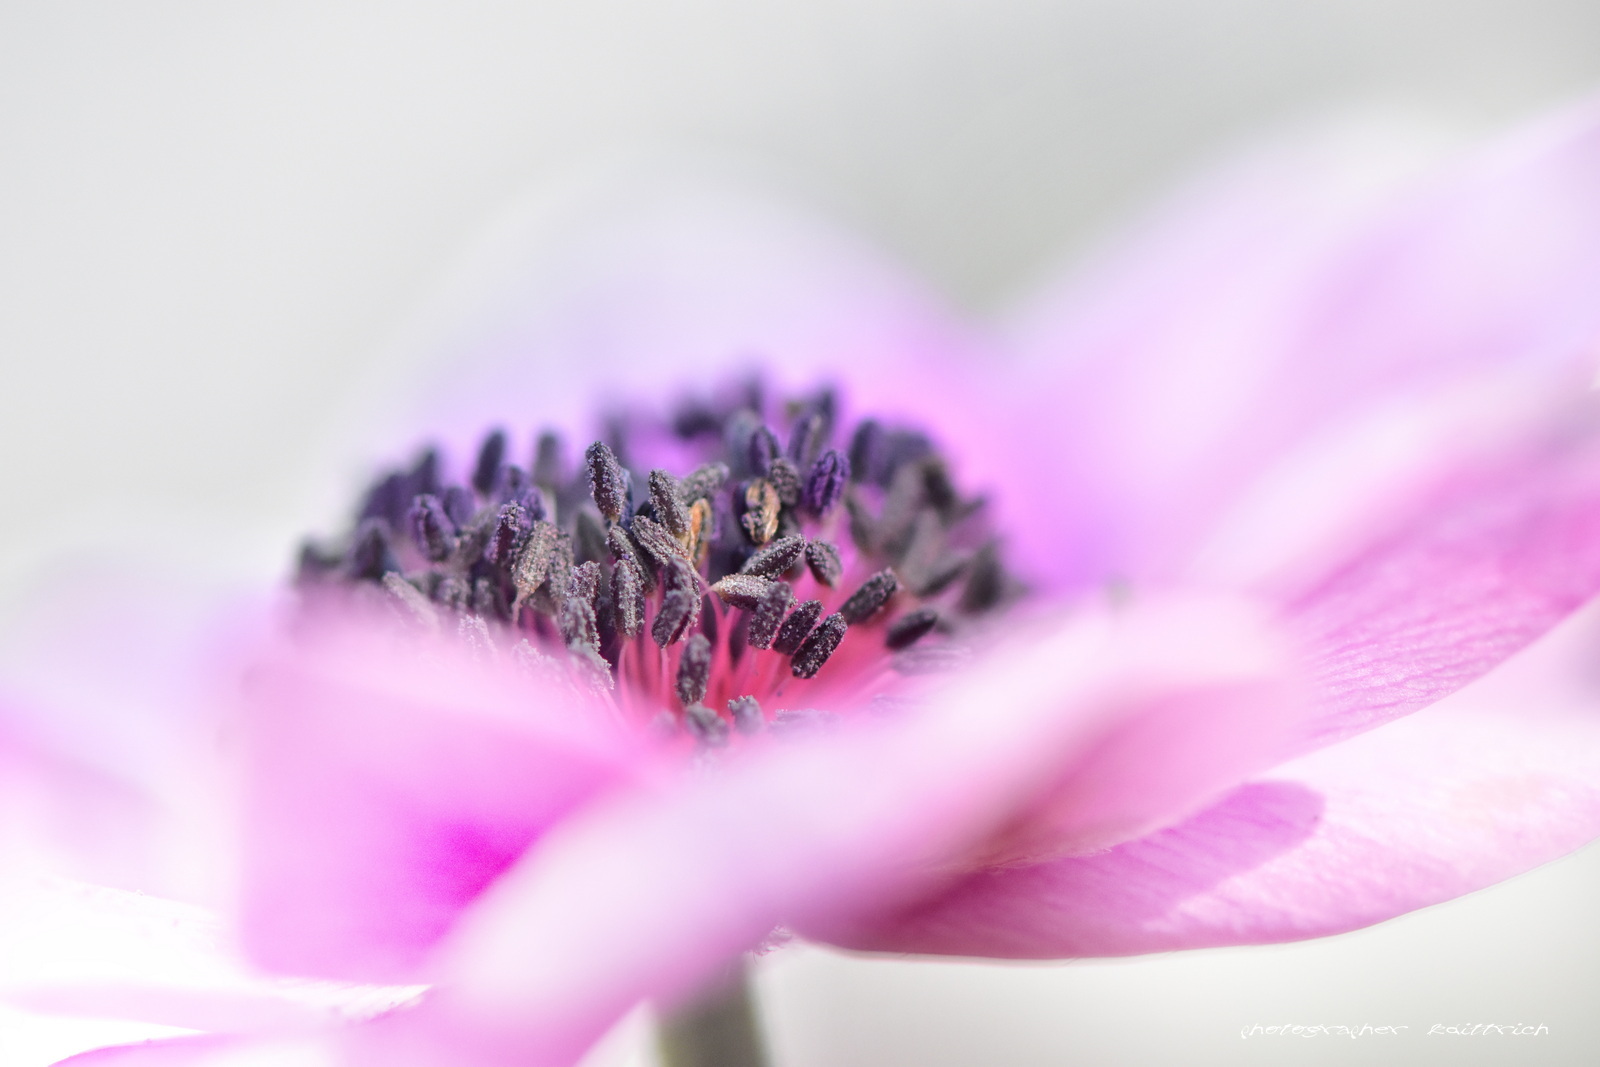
[1315, 451]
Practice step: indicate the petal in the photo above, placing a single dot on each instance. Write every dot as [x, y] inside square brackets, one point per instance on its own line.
[1488, 561]
[628, 288]
[110, 700]
[61, 814]
[207, 1050]
[76, 949]
[647, 893]
[1176, 404]
[389, 782]
[1498, 778]
[1138, 367]
[197, 1051]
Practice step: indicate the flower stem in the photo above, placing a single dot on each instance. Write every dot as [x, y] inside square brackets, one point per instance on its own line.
[718, 1030]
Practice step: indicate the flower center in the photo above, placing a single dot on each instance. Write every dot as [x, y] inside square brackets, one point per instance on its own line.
[712, 570]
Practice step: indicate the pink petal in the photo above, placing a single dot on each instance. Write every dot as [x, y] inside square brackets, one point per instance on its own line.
[75, 949]
[389, 783]
[201, 1050]
[649, 892]
[1399, 452]
[206, 1050]
[1487, 562]
[1499, 777]
[1139, 368]
[1233, 337]
[640, 289]
[117, 665]
[111, 716]
[60, 814]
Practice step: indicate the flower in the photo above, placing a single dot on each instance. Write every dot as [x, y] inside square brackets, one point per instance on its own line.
[1315, 452]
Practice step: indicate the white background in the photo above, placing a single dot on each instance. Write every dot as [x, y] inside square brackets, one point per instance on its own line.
[214, 217]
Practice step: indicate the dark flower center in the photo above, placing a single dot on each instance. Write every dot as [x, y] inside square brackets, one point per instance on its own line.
[725, 567]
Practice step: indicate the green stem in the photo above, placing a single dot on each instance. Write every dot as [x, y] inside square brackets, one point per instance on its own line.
[718, 1030]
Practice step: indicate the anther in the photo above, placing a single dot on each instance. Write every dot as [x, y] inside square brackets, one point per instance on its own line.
[579, 628]
[674, 616]
[588, 536]
[760, 519]
[763, 449]
[941, 575]
[910, 628]
[591, 666]
[865, 446]
[806, 438]
[490, 456]
[411, 599]
[453, 593]
[680, 605]
[474, 633]
[785, 479]
[513, 483]
[547, 461]
[694, 670]
[705, 725]
[694, 418]
[940, 490]
[606, 482]
[985, 581]
[899, 448]
[627, 597]
[792, 634]
[702, 482]
[459, 504]
[370, 556]
[901, 505]
[863, 527]
[620, 544]
[775, 557]
[670, 511]
[424, 475]
[767, 615]
[826, 481]
[746, 714]
[584, 582]
[316, 563]
[386, 499]
[736, 437]
[924, 550]
[823, 560]
[818, 646]
[742, 590]
[657, 544]
[700, 530]
[432, 528]
[626, 551]
[533, 564]
[530, 660]
[486, 599]
[511, 529]
[873, 595]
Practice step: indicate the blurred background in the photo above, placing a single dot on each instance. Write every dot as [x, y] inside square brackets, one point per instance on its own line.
[214, 218]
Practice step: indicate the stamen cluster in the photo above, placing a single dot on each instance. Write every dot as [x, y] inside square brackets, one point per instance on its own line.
[770, 571]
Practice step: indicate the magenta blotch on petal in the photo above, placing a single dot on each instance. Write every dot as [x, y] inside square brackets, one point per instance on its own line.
[389, 784]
